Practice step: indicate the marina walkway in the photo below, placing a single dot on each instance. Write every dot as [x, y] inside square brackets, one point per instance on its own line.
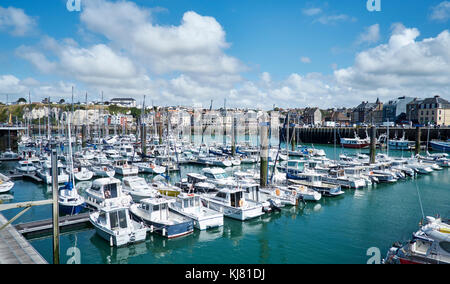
[15, 249]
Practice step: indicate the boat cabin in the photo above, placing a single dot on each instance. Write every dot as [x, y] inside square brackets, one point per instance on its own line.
[187, 202]
[107, 188]
[215, 173]
[156, 208]
[194, 178]
[231, 197]
[251, 191]
[114, 218]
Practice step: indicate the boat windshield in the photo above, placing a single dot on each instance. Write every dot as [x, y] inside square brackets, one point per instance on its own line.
[110, 191]
[118, 220]
[220, 176]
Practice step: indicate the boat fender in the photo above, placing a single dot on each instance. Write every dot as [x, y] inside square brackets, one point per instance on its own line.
[111, 243]
[241, 203]
[164, 231]
[151, 229]
[277, 192]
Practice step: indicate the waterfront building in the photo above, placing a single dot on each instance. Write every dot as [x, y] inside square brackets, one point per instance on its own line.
[434, 110]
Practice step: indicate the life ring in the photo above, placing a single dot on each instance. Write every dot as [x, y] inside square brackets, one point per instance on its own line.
[241, 203]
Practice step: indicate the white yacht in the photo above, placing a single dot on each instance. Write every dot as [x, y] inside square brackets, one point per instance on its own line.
[429, 245]
[46, 173]
[155, 214]
[304, 193]
[150, 168]
[190, 205]
[5, 184]
[103, 171]
[26, 167]
[114, 224]
[232, 203]
[138, 188]
[106, 191]
[339, 177]
[124, 169]
[219, 177]
[83, 174]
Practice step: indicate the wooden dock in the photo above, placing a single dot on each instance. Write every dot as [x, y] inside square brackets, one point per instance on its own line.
[31, 177]
[45, 227]
[15, 249]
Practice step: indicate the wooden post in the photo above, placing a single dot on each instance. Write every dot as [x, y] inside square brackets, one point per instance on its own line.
[233, 136]
[264, 154]
[418, 133]
[55, 204]
[373, 144]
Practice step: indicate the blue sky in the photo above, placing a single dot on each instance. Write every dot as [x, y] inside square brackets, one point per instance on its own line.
[255, 53]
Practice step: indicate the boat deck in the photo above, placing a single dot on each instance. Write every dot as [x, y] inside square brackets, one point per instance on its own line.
[15, 249]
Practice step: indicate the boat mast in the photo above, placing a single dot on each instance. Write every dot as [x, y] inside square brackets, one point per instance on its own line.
[287, 146]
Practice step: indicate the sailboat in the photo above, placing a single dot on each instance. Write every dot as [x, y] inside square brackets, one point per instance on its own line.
[70, 202]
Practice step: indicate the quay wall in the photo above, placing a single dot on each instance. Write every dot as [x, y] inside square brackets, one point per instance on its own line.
[325, 135]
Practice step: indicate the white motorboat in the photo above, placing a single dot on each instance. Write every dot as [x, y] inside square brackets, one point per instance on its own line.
[232, 203]
[304, 193]
[429, 245]
[26, 167]
[103, 171]
[219, 177]
[113, 223]
[106, 191]
[124, 169]
[46, 173]
[138, 188]
[5, 184]
[190, 205]
[155, 214]
[315, 182]
[339, 177]
[150, 168]
[83, 174]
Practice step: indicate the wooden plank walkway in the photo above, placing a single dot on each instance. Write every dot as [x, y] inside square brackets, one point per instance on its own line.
[15, 249]
[46, 226]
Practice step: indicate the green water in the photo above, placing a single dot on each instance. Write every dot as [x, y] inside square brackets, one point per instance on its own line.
[334, 230]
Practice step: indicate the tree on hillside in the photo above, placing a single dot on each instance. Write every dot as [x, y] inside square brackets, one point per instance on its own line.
[21, 100]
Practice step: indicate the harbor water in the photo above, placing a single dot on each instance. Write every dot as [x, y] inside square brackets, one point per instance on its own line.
[344, 229]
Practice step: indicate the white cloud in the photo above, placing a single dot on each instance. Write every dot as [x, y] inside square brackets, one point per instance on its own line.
[403, 65]
[312, 11]
[333, 19]
[441, 12]
[16, 22]
[370, 35]
[196, 46]
[305, 59]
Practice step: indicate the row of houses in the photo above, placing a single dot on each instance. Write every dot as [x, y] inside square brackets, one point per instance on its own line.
[403, 110]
